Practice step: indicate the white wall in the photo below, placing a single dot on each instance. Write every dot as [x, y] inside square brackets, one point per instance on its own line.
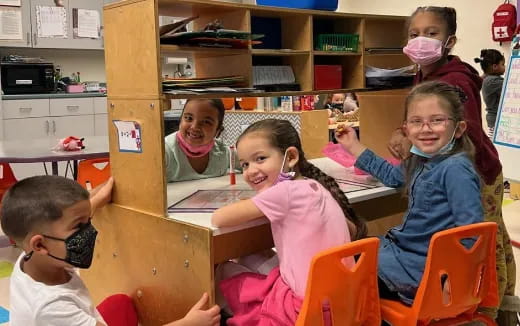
[90, 63]
[473, 20]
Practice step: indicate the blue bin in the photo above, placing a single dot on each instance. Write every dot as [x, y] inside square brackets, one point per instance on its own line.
[331, 5]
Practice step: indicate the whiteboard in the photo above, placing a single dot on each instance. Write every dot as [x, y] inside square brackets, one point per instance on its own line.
[507, 127]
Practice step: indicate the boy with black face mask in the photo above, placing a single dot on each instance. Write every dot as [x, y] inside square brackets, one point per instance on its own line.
[49, 218]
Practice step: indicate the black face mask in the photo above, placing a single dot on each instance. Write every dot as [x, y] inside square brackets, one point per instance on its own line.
[79, 245]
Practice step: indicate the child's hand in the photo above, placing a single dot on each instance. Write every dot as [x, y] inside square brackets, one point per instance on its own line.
[198, 317]
[101, 195]
[399, 145]
[346, 136]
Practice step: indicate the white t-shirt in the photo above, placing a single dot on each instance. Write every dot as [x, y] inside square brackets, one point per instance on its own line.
[34, 303]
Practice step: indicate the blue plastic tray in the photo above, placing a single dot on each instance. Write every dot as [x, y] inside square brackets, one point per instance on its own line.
[331, 5]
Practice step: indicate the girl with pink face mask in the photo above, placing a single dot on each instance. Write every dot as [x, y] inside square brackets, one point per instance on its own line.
[431, 37]
[194, 152]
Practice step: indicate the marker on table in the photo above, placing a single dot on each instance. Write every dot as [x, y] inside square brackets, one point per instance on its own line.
[232, 178]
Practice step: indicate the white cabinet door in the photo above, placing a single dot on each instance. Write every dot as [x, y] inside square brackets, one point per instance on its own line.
[82, 42]
[79, 126]
[101, 125]
[25, 40]
[100, 105]
[43, 41]
[72, 40]
[31, 128]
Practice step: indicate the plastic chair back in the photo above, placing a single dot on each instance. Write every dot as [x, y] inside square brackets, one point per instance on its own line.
[92, 173]
[350, 293]
[469, 278]
[7, 178]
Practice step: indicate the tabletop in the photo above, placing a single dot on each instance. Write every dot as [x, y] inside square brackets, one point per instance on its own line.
[41, 150]
[177, 191]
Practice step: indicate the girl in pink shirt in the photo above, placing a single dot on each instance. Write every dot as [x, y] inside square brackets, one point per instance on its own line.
[307, 212]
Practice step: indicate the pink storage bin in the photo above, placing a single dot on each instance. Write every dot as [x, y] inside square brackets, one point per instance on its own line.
[80, 88]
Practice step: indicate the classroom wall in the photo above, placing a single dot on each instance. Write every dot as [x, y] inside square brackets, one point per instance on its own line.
[474, 20]
[90, 63]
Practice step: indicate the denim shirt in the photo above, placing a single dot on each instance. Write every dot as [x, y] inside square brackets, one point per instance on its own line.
[444, 193]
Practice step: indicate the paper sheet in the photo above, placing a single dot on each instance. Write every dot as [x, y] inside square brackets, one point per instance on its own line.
[129, 136]
[210, 200]
[16, 3]
[11, 23]
[51, 21]
[87, 23]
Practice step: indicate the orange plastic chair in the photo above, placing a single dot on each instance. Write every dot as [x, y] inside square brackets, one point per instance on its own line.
[472, 280]
[90, 174]
[7, 178]
[351, 294]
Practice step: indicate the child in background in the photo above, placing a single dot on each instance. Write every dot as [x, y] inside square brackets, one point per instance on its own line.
[431, 37]
[307, 212]
[193, 152]
[442, 186]
[49, 218]
[492, 64]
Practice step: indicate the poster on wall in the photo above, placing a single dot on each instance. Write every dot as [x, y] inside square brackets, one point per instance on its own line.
[129, 136]
[10, 23]
[86, 23]
[14, 3]
[51, 21]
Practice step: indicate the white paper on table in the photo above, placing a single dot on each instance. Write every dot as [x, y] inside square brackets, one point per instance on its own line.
[51, 21]
[16, 3]
[87, 22]
[129, 136]
[11, 23]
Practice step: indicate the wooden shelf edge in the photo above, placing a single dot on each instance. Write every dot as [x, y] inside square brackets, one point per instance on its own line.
[336, 53]
[263, 94]
[270, 52]
[172, 49]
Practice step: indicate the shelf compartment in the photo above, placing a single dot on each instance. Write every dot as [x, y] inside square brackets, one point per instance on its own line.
[301, 66]
[283, 30]
[352, 69]
[220, 66]
[385, 32]
[387, 60]
[336, 25]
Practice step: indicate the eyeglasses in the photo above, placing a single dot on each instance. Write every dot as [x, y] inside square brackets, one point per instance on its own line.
[434, 123]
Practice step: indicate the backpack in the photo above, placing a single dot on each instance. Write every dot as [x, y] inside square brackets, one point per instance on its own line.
[504, 22]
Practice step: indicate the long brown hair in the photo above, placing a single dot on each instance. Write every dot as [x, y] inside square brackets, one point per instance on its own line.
[452, 99]
[282, 135]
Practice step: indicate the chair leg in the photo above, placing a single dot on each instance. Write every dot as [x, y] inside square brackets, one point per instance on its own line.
[485, 319]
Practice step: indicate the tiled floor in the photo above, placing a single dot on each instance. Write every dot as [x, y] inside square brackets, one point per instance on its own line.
[8, 255]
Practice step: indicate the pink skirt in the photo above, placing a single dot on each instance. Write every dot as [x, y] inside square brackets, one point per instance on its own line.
[260, 300]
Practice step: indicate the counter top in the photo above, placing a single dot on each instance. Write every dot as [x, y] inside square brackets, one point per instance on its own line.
[51, 95]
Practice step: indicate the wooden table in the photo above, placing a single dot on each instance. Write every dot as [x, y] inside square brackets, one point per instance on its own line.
[40, 150]
[166, 262]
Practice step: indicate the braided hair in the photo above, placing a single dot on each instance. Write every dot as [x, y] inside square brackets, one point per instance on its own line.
[282, 135]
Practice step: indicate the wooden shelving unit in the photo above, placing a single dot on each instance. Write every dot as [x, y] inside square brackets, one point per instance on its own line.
[163, 263]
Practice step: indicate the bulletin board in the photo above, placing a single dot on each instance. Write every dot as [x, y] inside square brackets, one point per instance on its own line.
[507, 127]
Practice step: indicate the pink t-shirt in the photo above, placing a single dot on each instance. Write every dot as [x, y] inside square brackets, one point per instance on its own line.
[305, 219]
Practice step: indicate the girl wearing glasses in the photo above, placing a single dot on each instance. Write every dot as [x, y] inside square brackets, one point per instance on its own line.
[439, 179]
[431, 37]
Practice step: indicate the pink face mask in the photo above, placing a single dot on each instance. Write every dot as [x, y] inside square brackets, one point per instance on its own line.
[424, 50]
[193, 150]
